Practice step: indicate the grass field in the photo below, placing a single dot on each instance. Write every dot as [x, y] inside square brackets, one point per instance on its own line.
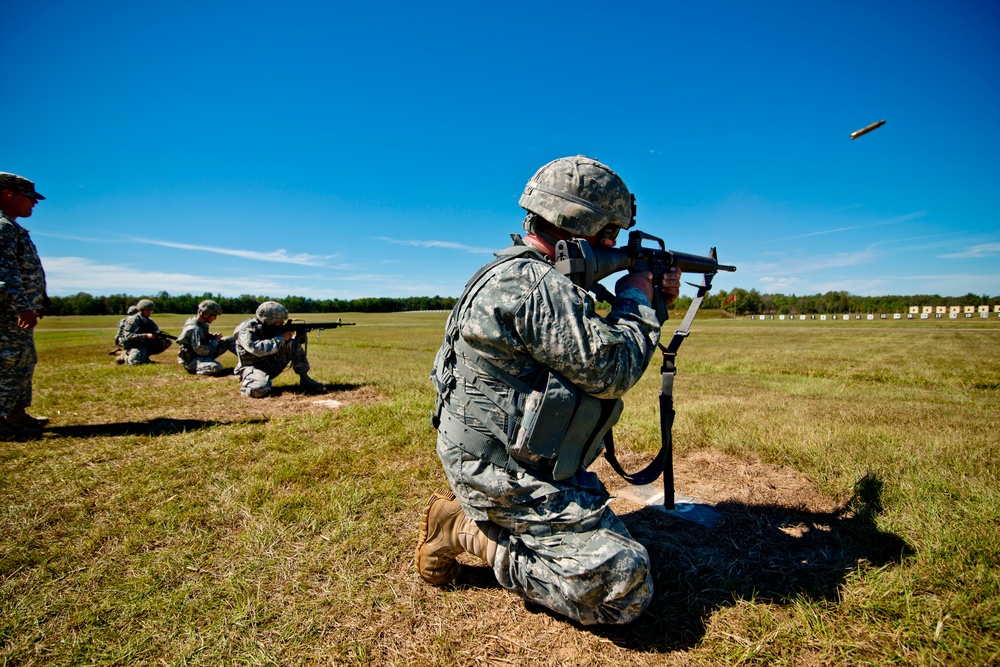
[166, 520]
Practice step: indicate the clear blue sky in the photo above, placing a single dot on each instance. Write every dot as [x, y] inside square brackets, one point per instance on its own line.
[351, 149]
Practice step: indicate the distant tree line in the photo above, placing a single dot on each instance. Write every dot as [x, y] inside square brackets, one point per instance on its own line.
[116, 304]
[737, 301]
[751, 302]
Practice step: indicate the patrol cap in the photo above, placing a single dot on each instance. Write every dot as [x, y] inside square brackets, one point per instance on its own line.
[145, 304]
[9, 181]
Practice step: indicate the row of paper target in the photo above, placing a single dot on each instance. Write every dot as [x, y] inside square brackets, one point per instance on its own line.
[881, 316]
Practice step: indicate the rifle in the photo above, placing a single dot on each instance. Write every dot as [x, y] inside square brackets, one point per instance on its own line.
[586, 265]
[158, 334]
[300, 326]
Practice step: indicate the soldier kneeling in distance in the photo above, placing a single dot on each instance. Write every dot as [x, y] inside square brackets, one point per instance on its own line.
[264, 350]
[199, 349]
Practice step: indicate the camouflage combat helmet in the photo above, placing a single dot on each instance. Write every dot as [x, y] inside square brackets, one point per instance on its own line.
[132, 310]
[271, 312]
[145, 304]
[209, 307]
[580, 195]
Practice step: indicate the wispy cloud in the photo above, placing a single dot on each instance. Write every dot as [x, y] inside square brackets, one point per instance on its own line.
[811, 264]
[820, 233]
[894, 220]
[68, 275]
[280, 255]
[437, 244]
[976, 251]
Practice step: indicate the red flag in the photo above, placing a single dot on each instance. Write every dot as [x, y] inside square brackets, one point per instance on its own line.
[732, 298]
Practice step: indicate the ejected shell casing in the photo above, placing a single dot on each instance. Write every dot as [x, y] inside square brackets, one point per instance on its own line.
[866, 130]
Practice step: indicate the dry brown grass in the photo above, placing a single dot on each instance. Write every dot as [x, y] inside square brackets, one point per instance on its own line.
[165, 519]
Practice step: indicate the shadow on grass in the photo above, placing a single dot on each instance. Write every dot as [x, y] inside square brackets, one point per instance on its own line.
[151, 427]
[329, 387]
[766, 553]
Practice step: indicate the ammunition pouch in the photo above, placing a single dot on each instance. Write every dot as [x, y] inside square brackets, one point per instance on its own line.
[562, 426]
[551, 425]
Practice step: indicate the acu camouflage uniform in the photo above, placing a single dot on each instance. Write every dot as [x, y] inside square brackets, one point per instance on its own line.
[137, 347]
[198, 349]
[263, 357]
[22, 287]
[561, 545]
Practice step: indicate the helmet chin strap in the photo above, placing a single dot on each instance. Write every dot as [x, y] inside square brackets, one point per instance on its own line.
[536, 225]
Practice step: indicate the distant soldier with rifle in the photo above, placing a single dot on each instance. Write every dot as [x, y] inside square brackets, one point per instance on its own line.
[22, 301]
[197, 348]
[132, 310]
[266, 344]
[141, 338]
[528, 380]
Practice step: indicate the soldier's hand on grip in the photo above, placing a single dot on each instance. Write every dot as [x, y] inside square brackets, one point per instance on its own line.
[642, 280]
[670, 285]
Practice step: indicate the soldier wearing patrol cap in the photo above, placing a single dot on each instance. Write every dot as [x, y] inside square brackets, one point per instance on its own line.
[264, 352]
[141, 337]
[197, 348]
[522, 343]
[22, 299]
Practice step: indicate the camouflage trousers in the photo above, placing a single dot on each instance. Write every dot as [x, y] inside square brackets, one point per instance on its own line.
[17, 364]
[136, 356]
[255, 380]
[208, 365]
[561, 545]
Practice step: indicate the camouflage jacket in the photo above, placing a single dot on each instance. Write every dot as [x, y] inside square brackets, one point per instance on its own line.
[194, 340]
[22, 280]
[527, 317]
[120, 336]
[252, 342]
[135, 330]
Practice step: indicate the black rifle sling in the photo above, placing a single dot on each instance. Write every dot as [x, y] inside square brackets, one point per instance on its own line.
[663, 461]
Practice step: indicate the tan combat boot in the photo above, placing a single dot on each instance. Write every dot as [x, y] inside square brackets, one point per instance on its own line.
[445, 532]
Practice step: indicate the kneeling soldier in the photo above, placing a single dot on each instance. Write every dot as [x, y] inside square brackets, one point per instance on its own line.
[522, 345]
[264, 351]
[141, 337]
[199, 349]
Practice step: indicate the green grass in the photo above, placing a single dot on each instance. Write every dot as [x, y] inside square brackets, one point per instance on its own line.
[165, 519]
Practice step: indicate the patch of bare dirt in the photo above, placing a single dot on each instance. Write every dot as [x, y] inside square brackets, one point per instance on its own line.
[289, 400]
[715, 477]
[777, 537]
